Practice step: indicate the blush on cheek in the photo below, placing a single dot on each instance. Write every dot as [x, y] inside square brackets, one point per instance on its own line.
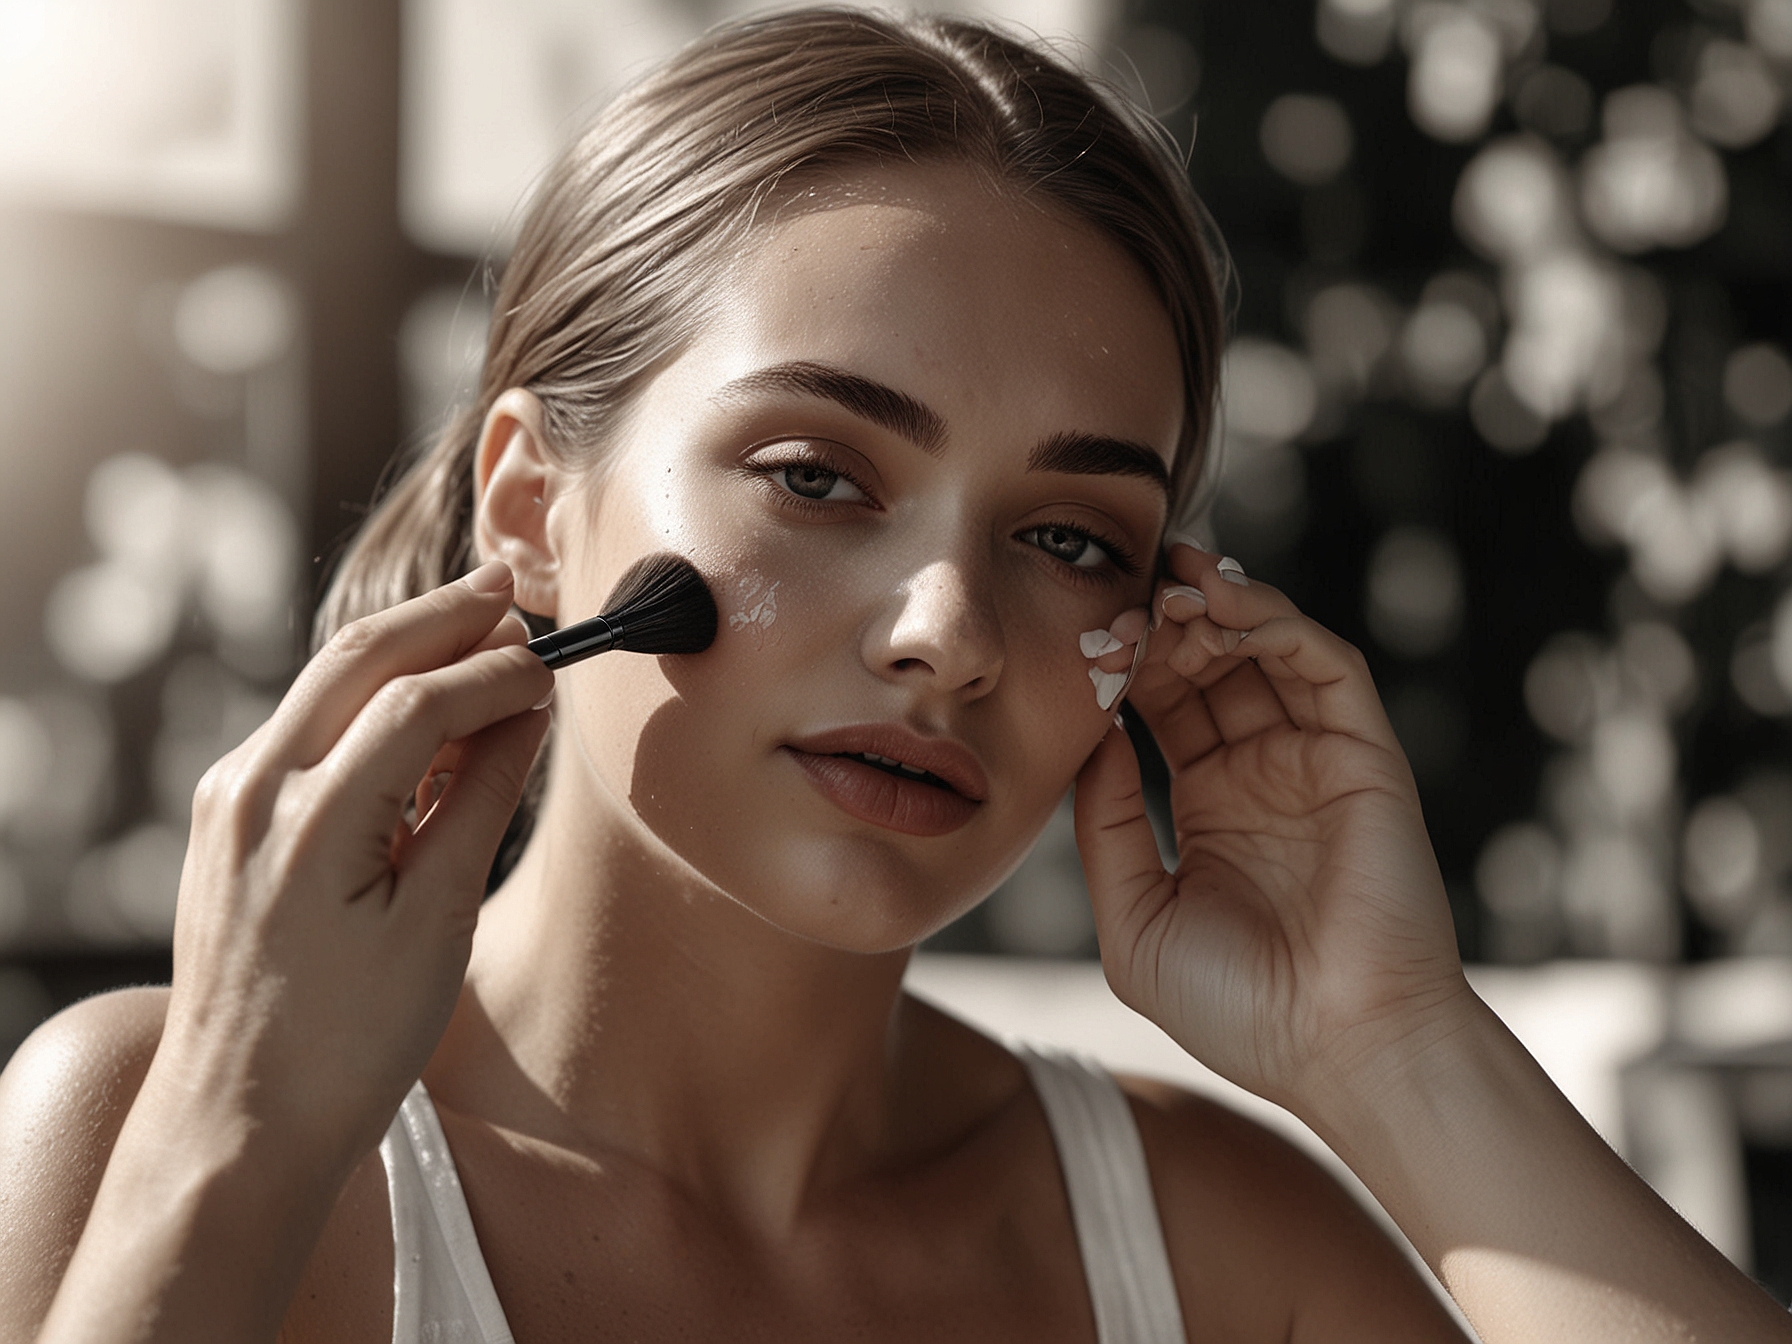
[756, 607]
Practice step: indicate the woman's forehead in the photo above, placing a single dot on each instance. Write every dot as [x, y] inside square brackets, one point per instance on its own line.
[931, 278]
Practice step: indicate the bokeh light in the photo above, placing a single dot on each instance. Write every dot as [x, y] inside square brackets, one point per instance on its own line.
[1769, 27]
[1454, 81]
[1306, 137]
[1650, 184]
[1758, 384]
[1735, 99]
[123, 893]
[1443, 347]
[1267, 389]
[1357, 32]
[1349, 328]
[1415, 595]
[234, 320]
[1721, 861]
[1508, 406]
[1554, 102]
[1512, 200]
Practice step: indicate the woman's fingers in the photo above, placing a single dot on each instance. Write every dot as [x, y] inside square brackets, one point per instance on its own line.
[435, 779]
[365, 780]
[1175, 710]
[1126, 877]
[1253, 661]
[462, 833]
[428, 632]
[1230, 601]
[1321, 679]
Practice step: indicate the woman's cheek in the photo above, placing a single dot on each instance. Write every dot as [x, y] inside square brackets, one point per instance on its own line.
[749, 607]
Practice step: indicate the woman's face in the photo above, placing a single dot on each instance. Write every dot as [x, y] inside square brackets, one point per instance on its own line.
[920, 447]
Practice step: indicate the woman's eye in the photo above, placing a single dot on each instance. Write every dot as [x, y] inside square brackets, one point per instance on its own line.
[812, 482]
[1069, 545]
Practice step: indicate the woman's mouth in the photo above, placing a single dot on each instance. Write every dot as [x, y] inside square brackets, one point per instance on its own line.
[891, 777]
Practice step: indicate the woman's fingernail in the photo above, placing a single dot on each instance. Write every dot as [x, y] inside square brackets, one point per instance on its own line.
[547, 699]
[1188, 539]
[1108, 686]
[1183, 603]
[1119, 723]
[1233, 572]
[491, 577]
[1094, 643]
[1232, 637]
[1129, 626]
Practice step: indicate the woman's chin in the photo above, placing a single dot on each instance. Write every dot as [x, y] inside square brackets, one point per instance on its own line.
[858, 911]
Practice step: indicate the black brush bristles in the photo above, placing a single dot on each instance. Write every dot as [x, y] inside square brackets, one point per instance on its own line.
[660, 605]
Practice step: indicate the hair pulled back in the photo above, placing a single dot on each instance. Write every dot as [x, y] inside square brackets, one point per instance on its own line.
[633, 220]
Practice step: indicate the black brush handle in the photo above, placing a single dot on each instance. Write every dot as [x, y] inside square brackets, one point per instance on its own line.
[576, 642]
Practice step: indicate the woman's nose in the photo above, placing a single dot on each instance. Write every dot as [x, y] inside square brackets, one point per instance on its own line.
[941, 627]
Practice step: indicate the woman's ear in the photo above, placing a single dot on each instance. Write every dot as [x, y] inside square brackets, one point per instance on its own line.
[514, 487]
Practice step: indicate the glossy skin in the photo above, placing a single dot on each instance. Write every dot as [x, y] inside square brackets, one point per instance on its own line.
[686, 1094]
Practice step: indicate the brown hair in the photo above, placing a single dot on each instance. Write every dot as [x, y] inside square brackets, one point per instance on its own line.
[607, 276]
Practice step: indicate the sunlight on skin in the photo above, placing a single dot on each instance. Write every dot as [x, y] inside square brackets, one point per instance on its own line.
[1552, 1302]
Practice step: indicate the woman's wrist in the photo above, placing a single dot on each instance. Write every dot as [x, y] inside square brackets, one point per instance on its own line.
[1396, 1057]
[1346, 1070]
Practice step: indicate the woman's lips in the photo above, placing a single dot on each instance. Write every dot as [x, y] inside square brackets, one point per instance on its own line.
[909, 806]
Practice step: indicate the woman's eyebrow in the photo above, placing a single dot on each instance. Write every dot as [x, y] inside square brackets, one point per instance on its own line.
[1098, 455]
[1071, 452]
[864, 397]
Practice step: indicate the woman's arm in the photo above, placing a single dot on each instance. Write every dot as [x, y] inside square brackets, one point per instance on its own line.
[319, 945]
[1534, 1225]
[1304, 949]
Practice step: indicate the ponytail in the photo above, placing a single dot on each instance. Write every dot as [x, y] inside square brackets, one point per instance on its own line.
[418, 535]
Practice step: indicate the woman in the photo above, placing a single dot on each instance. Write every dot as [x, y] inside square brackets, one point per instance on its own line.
[907, 338]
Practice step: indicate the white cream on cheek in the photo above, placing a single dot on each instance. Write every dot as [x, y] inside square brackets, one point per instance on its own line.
[756, 600]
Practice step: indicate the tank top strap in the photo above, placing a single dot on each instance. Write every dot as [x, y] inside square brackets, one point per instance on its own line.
[441, 1290]
[1124, 1258]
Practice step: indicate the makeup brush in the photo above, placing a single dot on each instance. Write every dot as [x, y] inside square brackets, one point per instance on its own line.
[660, 605]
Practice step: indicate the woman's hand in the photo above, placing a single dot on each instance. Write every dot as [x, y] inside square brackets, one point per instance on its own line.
[1306, 924]
[319, 946]
[1303, 949]
[320, 942]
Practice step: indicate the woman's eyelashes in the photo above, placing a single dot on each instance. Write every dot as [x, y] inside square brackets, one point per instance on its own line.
[1080, 549]
[803, 477]
[802, 474]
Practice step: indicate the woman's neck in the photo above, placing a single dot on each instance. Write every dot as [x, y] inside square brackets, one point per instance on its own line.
[618, 1003]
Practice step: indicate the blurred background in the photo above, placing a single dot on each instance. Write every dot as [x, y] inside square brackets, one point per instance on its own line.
[1509, 405]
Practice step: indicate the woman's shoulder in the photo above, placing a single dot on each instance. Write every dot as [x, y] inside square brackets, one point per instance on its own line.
[99, 1039]
[1257, 1226]
[63, 1098]
[65, 1092]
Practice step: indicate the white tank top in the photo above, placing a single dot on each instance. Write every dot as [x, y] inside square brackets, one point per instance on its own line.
[442, 1292]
